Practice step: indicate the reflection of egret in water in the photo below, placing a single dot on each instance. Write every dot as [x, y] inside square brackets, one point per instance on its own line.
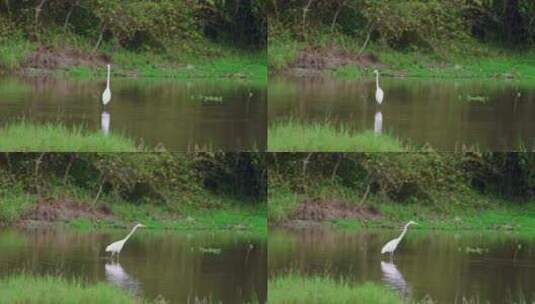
[378, 125]
[105, 122]
[116, 275]
[394, 278]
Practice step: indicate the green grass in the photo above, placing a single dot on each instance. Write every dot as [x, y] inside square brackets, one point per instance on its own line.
[226, 217]
[282, 51]
[294, 289]
[13, 52]
[485, 63]
[227, 65]
[55, 137]
[56, 290]
[12, 204]
[293, 136]
[282, 203]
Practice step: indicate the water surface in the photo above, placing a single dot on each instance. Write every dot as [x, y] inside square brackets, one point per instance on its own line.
[179, 267]
[181, 115]
[495, 115]
[489, 266]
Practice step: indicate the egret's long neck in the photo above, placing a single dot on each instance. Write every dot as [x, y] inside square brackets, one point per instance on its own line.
[404, 231]
[377, 80]
[108, 80]
[130, 234]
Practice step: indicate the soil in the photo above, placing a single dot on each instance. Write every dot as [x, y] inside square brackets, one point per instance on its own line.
[312, 61]
[46, 60]
[317, 213]
[53, 59]
[64, 210]
[329, 210]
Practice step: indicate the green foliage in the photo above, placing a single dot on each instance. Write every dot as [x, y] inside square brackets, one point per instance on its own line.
[13, 51]
[137, 24]
[24, 288]
[428, 24]
[402, 186]
[282, 48]
[174, 180]
[57, 137]
[506, 174]
[294, 136]
[294, 288]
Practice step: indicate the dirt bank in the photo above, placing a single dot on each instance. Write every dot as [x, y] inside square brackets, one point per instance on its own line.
[315, 213]
[315, 61]
[45, 60]
[46, 212]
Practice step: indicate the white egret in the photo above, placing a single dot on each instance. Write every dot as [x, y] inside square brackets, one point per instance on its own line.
[106, 96]
[379, 94]
[116, 247]
[391, 246]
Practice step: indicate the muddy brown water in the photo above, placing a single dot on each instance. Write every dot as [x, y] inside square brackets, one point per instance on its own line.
[179, 115]
[220, 267]
[494, 115]
[490, 267]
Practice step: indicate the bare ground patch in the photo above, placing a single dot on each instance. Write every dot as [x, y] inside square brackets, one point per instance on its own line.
[314, 213]
[312, 61]
[329, 210]
[45, 60]
[64, 210]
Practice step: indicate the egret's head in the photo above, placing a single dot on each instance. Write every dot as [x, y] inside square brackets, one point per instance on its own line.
[109, 66]
[140, 225]
[412, 223]
[376, 72]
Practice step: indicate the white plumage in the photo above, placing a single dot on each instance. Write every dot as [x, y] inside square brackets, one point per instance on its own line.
[391, 246]
[106, 95]
[116, 247]
[379, 94]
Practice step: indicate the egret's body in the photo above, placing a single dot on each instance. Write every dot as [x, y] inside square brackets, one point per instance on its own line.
[106, 95]
[391, 246]
[379, 94]
[116, 247]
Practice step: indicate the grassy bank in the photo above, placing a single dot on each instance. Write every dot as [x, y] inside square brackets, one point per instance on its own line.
[78, 59]
[474, 60]
[130, 64]
[294, 289]
[451, 191]
[24, 137]
[293, 136]
[229, 217]
[181, 191]
[48, 289]
[219, 213]
[469, 211]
